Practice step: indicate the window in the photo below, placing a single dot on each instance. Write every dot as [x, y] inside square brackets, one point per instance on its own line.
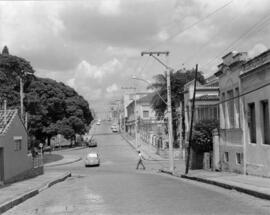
[237, 108]
[252, 122]
[187, 109]
[226, 156]
[238, 158]
[145, 114]
[208, 112]
[18, 145]
[265, 122]
[230, 109]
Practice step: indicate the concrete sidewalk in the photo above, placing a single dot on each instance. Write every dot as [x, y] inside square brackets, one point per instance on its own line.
[147, 150]
[16, 193]
[252, 185]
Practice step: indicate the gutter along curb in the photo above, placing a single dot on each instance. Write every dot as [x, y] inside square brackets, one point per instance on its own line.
[29, 194]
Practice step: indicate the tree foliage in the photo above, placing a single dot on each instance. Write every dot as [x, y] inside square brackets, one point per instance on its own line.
[5, 51]
[58, 107]
[12, 68]
[178, 80]
[52, 107]
[202, 138]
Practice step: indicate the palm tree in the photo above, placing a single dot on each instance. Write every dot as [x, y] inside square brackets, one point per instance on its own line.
[178, 80]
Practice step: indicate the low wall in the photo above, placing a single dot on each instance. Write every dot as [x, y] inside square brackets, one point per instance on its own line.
[26, 175]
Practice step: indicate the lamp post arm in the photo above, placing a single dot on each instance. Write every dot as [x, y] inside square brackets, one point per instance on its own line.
[148, 82]
[161, 62]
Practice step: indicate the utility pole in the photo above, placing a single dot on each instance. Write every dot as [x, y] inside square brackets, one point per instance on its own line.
[191, 121]
[155, 55]
[21, 97]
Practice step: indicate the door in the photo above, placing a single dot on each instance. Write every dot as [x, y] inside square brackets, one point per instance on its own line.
[1, 164]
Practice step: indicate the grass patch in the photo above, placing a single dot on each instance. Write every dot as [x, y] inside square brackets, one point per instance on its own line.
[48, 158]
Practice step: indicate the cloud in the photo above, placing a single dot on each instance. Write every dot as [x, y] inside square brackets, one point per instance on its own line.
[32, 30]
[112, 88]
[122, 51]
[108, 7]
[256, 50]
[137, 23]
[92, 45]
[71, 82]
[86, 70]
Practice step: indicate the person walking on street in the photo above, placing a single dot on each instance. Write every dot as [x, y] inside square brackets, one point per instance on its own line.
[140, 161]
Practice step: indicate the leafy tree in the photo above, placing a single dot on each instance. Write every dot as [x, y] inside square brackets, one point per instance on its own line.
[59, 108]
[5, 51]
[52, 107]
[12, 68]
[178, 80]
[202, 138]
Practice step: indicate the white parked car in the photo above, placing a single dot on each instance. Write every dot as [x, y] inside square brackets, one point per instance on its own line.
[92, 159]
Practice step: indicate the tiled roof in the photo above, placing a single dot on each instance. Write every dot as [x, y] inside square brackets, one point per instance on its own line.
[6, 118]
[146, 99]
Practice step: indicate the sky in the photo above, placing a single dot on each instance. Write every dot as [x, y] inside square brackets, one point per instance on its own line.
[95, 46]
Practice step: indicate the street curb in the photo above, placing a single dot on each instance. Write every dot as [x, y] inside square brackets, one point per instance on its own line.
[60, 164]
[228, 186]
[18, 200]
[55, 181]
[70, 149]
[167, 172]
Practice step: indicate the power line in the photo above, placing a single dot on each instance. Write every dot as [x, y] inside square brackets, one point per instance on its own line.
[193, 24]
[243, 94]
[246, 33]
[198, 51]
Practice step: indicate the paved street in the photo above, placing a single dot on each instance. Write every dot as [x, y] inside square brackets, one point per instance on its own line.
[117, 188]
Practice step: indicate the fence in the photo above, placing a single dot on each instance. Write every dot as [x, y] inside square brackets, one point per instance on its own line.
[37, 161]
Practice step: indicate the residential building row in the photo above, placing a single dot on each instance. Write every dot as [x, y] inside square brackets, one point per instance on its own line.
[237, 96]
[244, 136]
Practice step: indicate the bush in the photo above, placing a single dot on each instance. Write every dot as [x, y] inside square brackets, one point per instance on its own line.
[202, 138]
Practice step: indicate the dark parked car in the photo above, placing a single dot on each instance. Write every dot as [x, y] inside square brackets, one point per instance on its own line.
[92, 143]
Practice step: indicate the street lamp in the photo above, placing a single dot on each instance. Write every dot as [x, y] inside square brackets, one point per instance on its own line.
[22, 96]
[148, 82]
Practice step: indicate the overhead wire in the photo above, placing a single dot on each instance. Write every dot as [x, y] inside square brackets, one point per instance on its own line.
[193, 24]
[242, 36]
[210, 40]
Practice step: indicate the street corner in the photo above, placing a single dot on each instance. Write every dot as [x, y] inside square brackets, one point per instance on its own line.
[64, 161]
[54, 181]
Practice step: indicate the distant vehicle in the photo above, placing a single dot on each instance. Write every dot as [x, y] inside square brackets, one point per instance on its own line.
[92, 143]
[47, 149]
[92, 159]
[98, 123]
[115, 129]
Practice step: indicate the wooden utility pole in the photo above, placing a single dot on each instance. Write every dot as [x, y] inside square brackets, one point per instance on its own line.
[155, 55]
[191, 121]
[21, 97]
